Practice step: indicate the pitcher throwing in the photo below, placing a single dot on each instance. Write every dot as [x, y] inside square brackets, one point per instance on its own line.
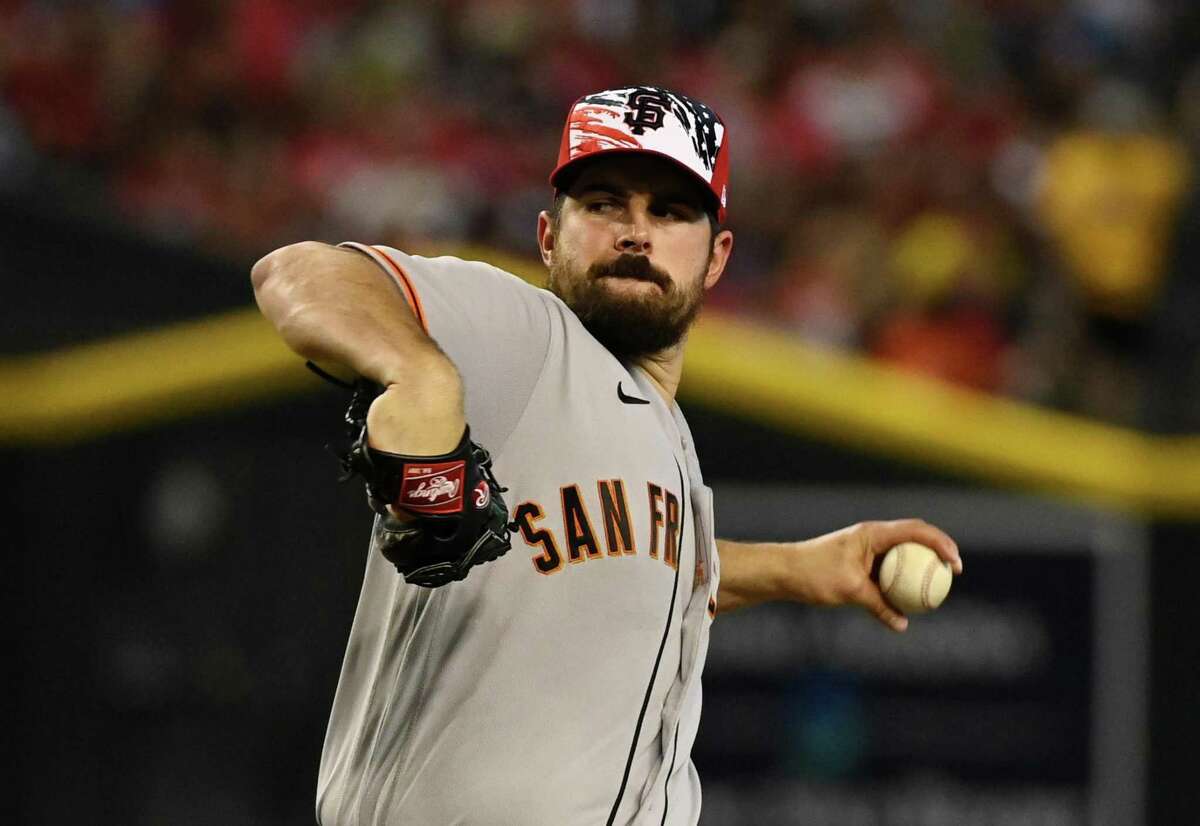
[535, 612]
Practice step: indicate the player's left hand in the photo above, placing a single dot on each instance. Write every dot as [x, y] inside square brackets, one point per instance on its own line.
[840, 568]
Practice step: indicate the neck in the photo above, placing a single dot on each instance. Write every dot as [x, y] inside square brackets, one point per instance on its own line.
[664, 369]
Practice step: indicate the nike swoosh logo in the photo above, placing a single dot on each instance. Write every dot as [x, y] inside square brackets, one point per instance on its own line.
[629, 399]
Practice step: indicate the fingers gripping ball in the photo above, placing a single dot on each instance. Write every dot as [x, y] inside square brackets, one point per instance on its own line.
[913, 578]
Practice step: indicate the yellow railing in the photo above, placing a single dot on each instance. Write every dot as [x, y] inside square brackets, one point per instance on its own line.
[733, 365]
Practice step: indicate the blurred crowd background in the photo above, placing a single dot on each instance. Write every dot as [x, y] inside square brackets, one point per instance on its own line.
[996, 192]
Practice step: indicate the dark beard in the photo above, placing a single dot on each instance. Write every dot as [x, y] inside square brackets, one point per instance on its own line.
[629, 326]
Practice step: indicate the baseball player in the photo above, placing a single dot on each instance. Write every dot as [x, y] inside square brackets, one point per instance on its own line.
[535, 611]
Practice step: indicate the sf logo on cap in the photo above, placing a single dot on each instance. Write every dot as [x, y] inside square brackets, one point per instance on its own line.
[646, 111]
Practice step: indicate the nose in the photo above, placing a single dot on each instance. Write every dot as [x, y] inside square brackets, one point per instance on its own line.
[634, 236]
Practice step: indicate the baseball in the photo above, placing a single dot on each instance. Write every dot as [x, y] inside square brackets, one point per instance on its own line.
[913, 578]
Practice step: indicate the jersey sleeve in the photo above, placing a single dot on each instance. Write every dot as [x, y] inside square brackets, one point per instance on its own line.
[491, 324]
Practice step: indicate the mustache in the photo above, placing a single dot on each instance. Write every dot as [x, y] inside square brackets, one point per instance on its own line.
[627, 265]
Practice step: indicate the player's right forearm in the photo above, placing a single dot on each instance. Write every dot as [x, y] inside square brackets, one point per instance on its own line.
[334, 305]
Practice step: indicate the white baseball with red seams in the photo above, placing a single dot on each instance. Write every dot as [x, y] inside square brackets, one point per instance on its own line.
[913, 578]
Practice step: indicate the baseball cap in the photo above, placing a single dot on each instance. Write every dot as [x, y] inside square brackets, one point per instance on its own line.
[652, 120]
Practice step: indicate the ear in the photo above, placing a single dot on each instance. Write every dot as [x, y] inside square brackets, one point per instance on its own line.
[545, 237]
[722, 247]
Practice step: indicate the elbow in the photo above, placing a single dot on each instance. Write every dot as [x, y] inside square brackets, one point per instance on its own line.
[264, 268]
[260, 273]
[282, 296]
[275, 266]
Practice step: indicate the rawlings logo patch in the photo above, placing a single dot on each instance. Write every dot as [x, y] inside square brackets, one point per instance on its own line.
[432, 488]
[439, 487]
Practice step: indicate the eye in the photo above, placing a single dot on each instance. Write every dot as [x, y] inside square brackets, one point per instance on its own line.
[599, 206]
[674, 211]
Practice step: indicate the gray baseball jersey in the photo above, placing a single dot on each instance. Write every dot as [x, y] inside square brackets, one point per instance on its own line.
[561, 683]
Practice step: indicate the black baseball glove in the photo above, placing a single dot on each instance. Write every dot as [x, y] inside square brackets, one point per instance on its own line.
[459, 518]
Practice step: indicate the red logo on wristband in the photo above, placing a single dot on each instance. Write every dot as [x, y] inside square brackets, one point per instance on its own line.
[432, 488]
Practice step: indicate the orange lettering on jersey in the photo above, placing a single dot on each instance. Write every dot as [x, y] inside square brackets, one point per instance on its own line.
[578, 528]
[656, 516]
[614, 513]
[670, 545]
[549, 561]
